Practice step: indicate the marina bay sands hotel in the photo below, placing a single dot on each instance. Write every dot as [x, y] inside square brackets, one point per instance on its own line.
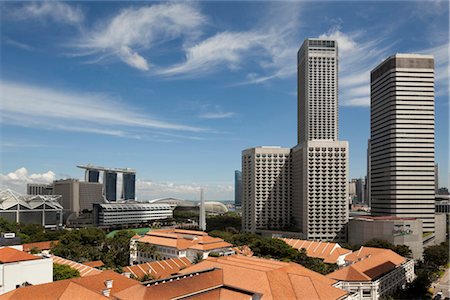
[92, 174]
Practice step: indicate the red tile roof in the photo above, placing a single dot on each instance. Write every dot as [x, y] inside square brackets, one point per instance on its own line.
[184, 239]
[74, 289]
[368, 264]
[329, 252]
[159, 269]
[9, 255]
[39, 245]
[272, 279]
[83, 269]
[94, 264]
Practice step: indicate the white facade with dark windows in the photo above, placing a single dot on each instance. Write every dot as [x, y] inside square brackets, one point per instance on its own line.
[110, 214]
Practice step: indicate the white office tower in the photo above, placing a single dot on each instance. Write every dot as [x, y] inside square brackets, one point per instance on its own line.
[202, 214]
[402, 138]
[266, 188]
[320, 161]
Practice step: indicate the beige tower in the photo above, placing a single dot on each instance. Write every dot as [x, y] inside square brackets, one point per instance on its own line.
[320, 161]
[266, 188]
[402, 175]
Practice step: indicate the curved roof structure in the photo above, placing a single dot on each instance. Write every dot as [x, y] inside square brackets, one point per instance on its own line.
[215, 207]
[9, 198]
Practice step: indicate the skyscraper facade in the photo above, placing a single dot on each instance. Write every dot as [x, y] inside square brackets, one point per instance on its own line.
[402, 177]
[237, 187]
[266, 188]
[110, 185]
[320, 161]
[129, 186]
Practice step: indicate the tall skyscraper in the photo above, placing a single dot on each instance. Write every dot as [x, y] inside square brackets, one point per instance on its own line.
[129, 186]
[402, 179]
[237, 187]
[320, 161]
[436, 179]
[110, 185]
[266, 188]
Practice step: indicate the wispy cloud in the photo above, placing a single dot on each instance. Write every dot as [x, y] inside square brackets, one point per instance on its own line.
[28, 105]
[135, 30]
[56, 11]
[18, 44]
[356, 58]
[209, 111]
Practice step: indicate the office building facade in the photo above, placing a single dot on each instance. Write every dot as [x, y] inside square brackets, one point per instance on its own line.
[129, 186]
[237, 188]
[402, 174]
[266, 188]
[39, 189]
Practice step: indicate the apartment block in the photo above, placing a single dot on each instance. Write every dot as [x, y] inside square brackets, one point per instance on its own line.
[402, 177]
[266, 188]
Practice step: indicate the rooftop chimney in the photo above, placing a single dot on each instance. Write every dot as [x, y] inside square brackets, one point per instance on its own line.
[106, 292]
[109, 284]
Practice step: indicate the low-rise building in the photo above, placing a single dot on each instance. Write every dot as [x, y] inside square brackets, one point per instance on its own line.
[331, 253]
[398, 231]
[172, 243]
[373, 273]
[158, 269]
[18, 268]
[114, 214]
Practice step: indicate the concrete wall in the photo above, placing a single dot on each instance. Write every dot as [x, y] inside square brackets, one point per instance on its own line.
[37, 271]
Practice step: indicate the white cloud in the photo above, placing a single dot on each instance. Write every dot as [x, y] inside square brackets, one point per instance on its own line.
[57, 11]
[147, 190]
[27, 105]
[441, 65]
[140, 29]
[209, 111]
[17, 44]
[18, 179]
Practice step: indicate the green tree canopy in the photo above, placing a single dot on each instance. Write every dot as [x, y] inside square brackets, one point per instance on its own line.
[61, 272]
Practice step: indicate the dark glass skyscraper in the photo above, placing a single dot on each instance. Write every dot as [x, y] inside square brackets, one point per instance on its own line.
[128, 187]
[110, 183]
[93, 175]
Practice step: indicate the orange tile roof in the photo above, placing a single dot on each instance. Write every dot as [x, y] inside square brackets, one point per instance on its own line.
[94, 264]
[329, 252]
[368, 264]
[39, 245]
[184, 239]
[272, 279]
[73, 289]
[9, 255]
[83, 269]
[159, 269]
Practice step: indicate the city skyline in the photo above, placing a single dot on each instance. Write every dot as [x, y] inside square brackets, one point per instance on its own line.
[218, 80]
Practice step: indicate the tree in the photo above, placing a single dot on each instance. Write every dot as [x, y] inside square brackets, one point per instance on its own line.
[149, 249]
[85, 244]
[117, 249]
[230, 221]
[61, 272]
[198, 258]
[35, 250]
[437, 255]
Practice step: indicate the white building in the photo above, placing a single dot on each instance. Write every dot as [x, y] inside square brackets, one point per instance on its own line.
[172, 243]
[111, 214]
[402, 138]
[373, 273]
[18, 268]
[266, 188]
[319, 161]
[31, 209]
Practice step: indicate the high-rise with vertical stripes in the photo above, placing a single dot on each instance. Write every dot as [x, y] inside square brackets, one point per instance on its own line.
[402, 138]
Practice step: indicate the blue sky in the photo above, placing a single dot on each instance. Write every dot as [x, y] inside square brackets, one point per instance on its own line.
[177, 90]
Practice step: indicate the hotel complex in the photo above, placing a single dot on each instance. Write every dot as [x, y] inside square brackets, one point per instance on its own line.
[306, 188]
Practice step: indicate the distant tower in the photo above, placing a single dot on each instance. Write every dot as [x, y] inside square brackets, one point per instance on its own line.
[202, 217]
[237, 187]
